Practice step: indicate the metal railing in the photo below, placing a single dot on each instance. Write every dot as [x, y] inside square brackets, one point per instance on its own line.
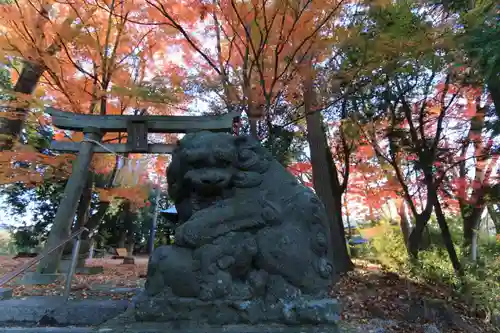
[69, 275]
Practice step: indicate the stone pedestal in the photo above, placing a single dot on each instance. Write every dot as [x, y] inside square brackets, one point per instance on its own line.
[294, 312]
[5, 293]
[252, 247]
[34, 278]
[152, 327]
[65, 265]
[128, 261]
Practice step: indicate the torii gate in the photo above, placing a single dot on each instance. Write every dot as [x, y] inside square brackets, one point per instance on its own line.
[94, 127]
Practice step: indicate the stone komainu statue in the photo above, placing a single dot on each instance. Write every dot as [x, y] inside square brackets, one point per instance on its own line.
[252, 246]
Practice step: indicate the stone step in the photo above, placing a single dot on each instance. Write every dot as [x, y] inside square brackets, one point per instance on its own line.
[55, 311]
[158, 327]
[5, 293]
[46, 330]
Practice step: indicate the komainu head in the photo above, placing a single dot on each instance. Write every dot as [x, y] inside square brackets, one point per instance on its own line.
[207, 166]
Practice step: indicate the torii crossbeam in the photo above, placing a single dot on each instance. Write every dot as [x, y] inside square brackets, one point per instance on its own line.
[94, 127]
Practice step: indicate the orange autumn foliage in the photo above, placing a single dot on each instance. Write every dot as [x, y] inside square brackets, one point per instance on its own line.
[258, 49]
[96, 60]
[135, 195]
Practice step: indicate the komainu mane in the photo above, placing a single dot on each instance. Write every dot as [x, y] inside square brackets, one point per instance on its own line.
[252, 246]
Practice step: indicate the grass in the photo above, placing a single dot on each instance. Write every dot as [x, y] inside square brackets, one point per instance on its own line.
[480, 288]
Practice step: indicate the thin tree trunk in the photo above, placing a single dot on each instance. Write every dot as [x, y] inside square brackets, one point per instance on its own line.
[495, 216]
[494, 89]
[404, 224]
[11, 128]
[91, 250]
[322, 179]
[96, 219]
[82, 212]
[253, 128]
[152, 231]
[337, 191]
[122, 238]
[445, 231]
[473, 249]
[31, 73]
[122, 225]
[129, 227]
[472, 222]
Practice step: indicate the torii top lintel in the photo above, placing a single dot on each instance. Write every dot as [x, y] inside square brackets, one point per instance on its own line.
[137, 128]
[154, 124]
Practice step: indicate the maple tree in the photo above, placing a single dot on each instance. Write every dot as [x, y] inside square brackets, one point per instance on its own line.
[90, 59]
[370, 86]
[261, 55]
[258, 48]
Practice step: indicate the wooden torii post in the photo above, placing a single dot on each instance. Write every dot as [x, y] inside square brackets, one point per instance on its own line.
[94, 127]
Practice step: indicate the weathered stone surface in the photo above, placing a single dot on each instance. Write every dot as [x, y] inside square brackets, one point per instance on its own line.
[65, 264]
[223, 312]
[252, 246]
[55, 311]
[5, 293]
[46, 330]
[151, 327]
[34, 278]
[85, 245]
[128, 261]
[436, 311]
[431, 328]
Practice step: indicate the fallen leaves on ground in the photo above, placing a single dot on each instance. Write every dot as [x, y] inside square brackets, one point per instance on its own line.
[366, 293]
[370, 292]
[115, 275]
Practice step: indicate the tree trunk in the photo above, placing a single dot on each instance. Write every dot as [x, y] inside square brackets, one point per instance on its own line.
[494, 89]
[415, 239]
[94, 221]
[91, 251]
[495, 216]
[30, 76]
[82, 211]
[152, 231]
[127, 236]
[253, 128]
[122, 238]
[26, 84]
[404, 224]
[336, 189]
[130, 233]
[472, 222]
[322, 180]
[445, 231]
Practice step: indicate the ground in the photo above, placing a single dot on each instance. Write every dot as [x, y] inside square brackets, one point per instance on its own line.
[368, 294]
[86, 286]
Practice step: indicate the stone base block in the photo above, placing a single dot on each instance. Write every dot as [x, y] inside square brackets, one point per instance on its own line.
[117, 257]
[296, 312]
[65, 265]
[94, 270]
[128, 261]
[34, 278]
[5, 293]
[55, 311]
[150, 327]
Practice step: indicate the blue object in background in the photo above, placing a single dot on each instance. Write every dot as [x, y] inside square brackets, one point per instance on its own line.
[358, 240]
[169, 210]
